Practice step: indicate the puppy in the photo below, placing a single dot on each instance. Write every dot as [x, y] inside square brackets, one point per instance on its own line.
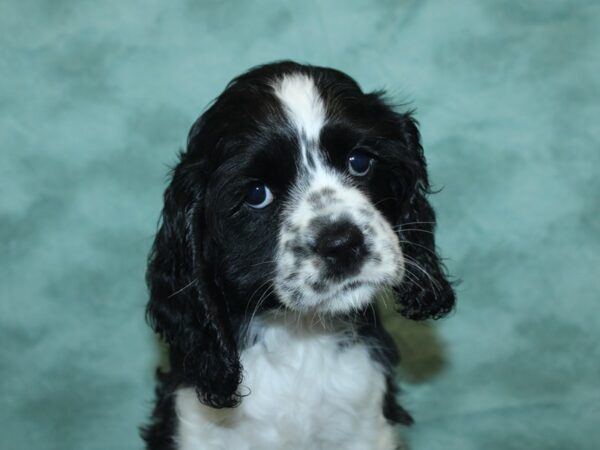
[298, 199]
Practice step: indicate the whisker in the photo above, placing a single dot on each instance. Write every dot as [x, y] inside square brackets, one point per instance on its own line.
[433, 282]
[416, 264]
[258, 289]
[372, 306]
[269, 280]
[416, 223]
[183, 288]
[412, 278]
[418, 245]
[383, 200]
[264, 262]
[413, 229]
[262, 298]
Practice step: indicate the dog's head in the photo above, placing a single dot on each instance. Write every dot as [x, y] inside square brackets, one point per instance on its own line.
[299, 191]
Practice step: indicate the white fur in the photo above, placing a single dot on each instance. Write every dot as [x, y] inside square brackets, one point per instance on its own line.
[300, 97]
[305, 392]
[305, 109]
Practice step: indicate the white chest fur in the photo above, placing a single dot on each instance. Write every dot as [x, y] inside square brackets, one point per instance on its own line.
[308, 388]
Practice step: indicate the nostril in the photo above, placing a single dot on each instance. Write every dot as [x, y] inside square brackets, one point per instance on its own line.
[340, 240]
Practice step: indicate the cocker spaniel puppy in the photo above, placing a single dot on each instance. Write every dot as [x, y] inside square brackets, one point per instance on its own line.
[298, 199]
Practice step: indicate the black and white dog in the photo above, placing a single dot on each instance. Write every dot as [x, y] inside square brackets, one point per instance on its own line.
[297, 200]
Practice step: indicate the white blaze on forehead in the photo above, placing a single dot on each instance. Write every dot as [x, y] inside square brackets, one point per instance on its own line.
[303, 103]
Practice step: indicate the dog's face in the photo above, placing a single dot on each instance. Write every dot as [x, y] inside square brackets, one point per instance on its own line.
[301, 199]
[297, 191]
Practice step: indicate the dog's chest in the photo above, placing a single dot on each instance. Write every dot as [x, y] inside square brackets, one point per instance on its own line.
[304, 391]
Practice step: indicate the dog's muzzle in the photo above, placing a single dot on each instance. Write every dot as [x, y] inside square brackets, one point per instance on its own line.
[336, 250]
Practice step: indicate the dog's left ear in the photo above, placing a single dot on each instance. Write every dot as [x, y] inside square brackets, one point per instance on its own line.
[425, 291]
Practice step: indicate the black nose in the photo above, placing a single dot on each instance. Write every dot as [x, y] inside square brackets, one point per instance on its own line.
[342, 245]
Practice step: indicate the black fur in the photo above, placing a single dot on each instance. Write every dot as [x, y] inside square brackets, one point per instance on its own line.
[201, 272]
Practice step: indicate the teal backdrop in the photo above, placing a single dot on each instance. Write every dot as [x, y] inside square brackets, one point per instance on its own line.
[96, 97]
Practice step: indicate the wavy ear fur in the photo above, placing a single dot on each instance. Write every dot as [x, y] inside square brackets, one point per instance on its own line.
[425, 292]
[186, 306]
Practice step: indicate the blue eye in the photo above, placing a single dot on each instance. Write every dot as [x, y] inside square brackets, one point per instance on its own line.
[259, 196]
[359, 163]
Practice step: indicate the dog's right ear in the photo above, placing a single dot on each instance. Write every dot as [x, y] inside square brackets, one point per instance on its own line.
[186, 306]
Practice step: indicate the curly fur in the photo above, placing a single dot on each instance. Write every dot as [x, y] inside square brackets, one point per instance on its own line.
[219, 271]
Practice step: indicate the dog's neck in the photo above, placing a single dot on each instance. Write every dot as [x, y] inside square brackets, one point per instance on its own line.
[300, 325]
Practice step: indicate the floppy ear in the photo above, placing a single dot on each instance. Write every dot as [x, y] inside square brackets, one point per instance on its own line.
[425, 291]
[186, 306]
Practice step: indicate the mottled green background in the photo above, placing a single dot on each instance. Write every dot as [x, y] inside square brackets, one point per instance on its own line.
[97, 96]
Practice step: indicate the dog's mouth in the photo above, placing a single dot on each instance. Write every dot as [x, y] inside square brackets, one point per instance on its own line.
[344, 290]
[339, 296]
[348, 287]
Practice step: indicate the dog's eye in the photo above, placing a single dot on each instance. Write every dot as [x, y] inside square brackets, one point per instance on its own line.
[359, 163]
[259, 196]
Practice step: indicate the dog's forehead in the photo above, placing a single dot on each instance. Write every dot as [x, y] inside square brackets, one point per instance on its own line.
[302, 104]
[296, 119]
[306, 112]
